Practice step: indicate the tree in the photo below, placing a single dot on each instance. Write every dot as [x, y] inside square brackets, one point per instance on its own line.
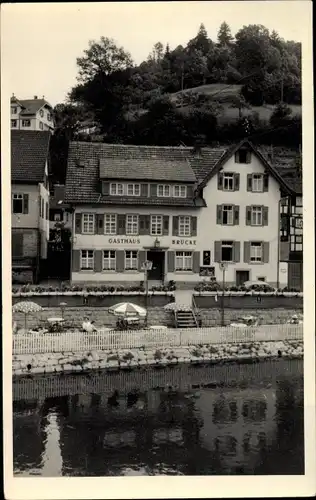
[103, 57]
[224, 36]
[200, 42]
[280, 115]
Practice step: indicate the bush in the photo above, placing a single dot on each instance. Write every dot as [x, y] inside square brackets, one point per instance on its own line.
[158, 354]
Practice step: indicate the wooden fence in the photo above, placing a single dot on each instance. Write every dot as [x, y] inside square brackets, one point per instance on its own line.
[34, 343]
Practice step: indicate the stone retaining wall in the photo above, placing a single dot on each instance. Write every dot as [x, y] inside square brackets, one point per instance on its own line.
[249, 302]
[67, 362]
[211, 317]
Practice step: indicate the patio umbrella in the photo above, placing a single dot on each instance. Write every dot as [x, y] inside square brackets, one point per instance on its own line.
[249, 284]
[127, 309]
[26, 308]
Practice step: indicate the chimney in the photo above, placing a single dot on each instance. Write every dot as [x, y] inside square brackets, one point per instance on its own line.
[35, 97]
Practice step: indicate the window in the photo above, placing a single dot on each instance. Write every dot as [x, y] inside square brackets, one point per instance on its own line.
[261, 278]
[131, 260]
[256, 216]
[87, 260]
[14, 110]
[14, 123]
[133, 189]
[228, 182]
[17, 204]
[132, 224]
[183, 261]
[227, 251]
[109, 260]
[228, 215]
[116, 189]
[110, 223]
[206, 258]
[256, 252]
[88, 223]
[242, 156]
[156, 225]
[163, 190]
[46, 211]
[257, 183]
[41, 113]
[57, 217]
[184, 225]
[180, 191]
[48, 117]
[26, 123]
[42, 207]
[41, 125]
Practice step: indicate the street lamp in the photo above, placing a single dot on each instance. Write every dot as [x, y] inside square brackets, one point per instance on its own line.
[147, 266]
[223, 267]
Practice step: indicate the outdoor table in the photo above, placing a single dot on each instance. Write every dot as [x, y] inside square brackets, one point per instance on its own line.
[55, 321]
[158, 327]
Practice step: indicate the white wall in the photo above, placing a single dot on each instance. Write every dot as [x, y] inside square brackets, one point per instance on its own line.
[31, 219]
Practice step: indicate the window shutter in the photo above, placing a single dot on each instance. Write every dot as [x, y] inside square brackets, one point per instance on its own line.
[142, 254]
[175, 225]
[25, 203]
[265, 211]
[98, 258]
[121, 223]
[266, 251]
[193, 226]
[266, 182]
[196, 262]
[247, 252]
[248, 157]
[248, 216]
[190, 191]
[78, 225]
[249, 182]
[144, 190]
[236, 251]
[76, 260]
[217, 251]
[219, 214]
[105, 188]
[236, 215]
[99, 223]
[220, 181]
[171, 263]
[165, 227]
[144, 224]
[120, 261]
[236, 182]
[153, 190]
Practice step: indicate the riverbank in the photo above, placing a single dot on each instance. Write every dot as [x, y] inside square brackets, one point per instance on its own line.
[129, 359]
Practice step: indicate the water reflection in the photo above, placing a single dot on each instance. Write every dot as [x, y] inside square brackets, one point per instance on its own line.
[228, 428]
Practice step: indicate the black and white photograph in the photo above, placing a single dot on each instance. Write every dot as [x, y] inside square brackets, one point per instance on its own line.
[157, 295]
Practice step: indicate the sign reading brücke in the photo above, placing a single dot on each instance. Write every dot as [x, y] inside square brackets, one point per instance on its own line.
[184, 242]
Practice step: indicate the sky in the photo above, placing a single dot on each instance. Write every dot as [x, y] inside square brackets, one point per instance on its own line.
[40, 42]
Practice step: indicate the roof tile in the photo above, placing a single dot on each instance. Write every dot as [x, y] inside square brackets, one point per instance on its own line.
[29, 153]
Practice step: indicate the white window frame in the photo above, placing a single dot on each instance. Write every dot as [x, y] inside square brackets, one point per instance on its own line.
[116, 189]
[183, 260]
[57, 217]
[228, 176]
[48, 117]
[17, 196]
[131, 260]
[256, 215]
[229, 209]
[88, 219]
[257, 183]
[135, 189]
[156, 223]
[24, 123]
[14, 123]
[14, 110]
[163, 190]
[256, 252]
[41, 125]
[179, 191]
[226, 244]
[132, 224]
[41, 113]
[110, 225]
[109, 260]
[184, 225]
[86, 260]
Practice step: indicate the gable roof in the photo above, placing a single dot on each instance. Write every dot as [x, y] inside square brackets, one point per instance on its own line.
[32, 106]
[29, 153]
[232, 150]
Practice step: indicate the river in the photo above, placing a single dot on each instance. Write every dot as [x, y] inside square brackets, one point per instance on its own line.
[183, 420]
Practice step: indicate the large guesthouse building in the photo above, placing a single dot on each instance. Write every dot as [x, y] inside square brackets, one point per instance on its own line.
[186, 210]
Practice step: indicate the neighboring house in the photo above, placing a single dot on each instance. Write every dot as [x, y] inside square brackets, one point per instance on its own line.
[59, 211]
[31, 114]
[30, 201]
[185, 210]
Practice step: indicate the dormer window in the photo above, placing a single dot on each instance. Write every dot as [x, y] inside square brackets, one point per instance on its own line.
[163, 190]
[180, 191]
[243, 156]
[133, 189]
[116, 189]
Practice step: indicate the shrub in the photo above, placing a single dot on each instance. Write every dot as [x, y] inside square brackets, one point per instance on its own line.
[158, 354]
[128, 356]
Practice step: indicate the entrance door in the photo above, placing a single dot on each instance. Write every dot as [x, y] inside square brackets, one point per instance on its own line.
[295, 275]
[158, 260]
[241, 277]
